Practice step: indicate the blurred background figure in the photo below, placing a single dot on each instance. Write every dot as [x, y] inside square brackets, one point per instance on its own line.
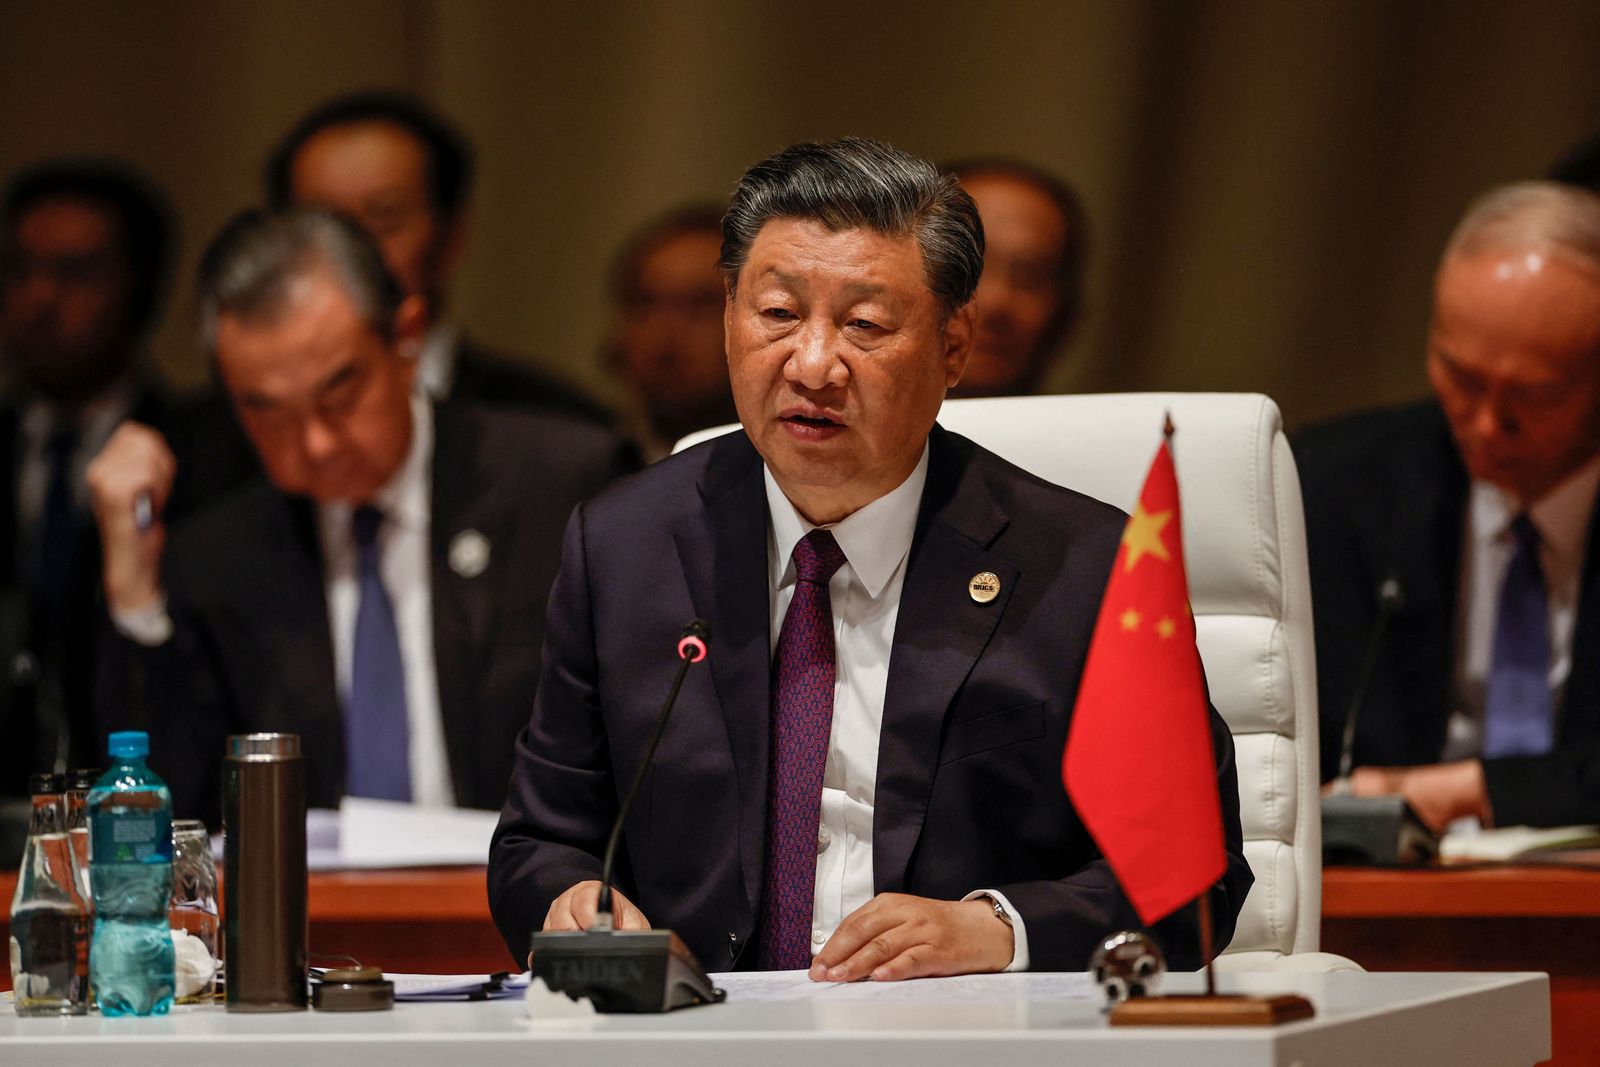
[381, 592]
[666, 345]
[84, 255]
[405, 174]
[1461, 532]
[1036, 242]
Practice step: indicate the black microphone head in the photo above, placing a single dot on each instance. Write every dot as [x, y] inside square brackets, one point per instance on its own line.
[692, 645]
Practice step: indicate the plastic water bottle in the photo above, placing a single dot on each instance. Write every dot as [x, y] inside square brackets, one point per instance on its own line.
[49, 919]
[130, 868]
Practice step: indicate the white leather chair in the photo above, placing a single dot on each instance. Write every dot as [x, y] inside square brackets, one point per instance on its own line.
[1244, 542]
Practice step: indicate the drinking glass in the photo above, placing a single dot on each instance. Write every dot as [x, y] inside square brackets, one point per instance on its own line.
[192, 913]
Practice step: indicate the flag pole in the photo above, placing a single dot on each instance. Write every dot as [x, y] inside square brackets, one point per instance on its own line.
[1168, 431]
[1208, 1009]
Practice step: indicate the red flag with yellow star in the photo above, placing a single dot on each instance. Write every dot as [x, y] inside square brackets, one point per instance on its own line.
[1138, 764]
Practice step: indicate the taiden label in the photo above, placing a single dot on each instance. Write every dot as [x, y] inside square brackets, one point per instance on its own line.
[130, 837]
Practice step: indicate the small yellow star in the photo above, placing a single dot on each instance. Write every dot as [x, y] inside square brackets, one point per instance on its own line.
[1166, 628]
[1142, 536]
[1130, 619]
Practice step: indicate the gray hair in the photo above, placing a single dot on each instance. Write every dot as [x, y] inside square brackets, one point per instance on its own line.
[247, 269]
[858, 183]
[1561, 218]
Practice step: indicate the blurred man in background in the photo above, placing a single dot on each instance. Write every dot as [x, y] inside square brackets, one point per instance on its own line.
[1460, 535]
[1028, 304]
[381, 593]
[405, 174]
[666, 344]
[85, 248]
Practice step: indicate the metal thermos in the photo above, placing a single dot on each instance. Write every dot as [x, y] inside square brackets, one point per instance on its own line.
[264, 886]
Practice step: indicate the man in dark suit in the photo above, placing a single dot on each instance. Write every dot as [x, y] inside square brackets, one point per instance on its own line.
[1036, 250]
[405, 173]
[666, 339]
[84, 251]
[866, 780]
[1465, 529]
[381, 596]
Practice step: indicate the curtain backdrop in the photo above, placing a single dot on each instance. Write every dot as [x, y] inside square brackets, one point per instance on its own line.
[1269, 181]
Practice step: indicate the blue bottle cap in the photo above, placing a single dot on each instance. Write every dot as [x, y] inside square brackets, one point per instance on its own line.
[129, 743]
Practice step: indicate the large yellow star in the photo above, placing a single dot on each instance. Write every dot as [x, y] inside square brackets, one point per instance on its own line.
[1143, 536]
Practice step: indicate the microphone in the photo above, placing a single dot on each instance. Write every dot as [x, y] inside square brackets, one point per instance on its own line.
[1371, 831]
[1390, 600]
[633, 971]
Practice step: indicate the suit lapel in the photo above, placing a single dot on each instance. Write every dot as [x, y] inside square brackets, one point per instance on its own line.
[939, 634]
[1580, 705]
[464, 600]
[723, 550]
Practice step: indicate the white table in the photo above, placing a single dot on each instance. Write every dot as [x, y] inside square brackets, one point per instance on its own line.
[1404, 1019]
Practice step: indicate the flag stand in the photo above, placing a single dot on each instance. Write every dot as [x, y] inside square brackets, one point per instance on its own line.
[1210, 1008]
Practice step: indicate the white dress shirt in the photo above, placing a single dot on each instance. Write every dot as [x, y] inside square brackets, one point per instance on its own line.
[403, 562]
[865, 594]
[436, 362]
[1562, 519]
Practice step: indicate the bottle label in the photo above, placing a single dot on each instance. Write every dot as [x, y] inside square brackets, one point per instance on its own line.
[131, 837]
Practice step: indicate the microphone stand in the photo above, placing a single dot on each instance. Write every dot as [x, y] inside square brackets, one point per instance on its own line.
[630, 971]
[1371, 831]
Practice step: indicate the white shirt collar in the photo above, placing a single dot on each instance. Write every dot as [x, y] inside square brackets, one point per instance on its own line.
[405, 498]
[1561, 516]
[875, 538]
[436, 362]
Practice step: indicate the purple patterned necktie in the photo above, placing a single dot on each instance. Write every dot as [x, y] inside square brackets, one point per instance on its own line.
[1518, 714]
[802, 719]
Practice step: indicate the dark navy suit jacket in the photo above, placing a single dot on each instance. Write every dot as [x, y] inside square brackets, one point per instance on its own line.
[252, 648]
[979, 696]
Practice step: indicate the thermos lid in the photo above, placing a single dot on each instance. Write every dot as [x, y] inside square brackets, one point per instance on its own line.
[129, 743]
[263, 746]
[353, 989]
[41, 785]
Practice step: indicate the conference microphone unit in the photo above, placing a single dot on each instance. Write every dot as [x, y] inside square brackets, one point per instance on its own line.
[1371, 831]
[629, 971]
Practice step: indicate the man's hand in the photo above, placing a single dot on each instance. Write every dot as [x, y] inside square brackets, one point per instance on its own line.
[1438, 793]
[894, 936]
[574, 909]
[135, 462]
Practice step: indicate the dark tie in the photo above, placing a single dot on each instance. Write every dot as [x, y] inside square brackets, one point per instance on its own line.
[802, 719]
[1518, 715]
[377, 739]
[60, 530]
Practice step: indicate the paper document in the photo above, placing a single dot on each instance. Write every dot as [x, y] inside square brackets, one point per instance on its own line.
[965, 989]
[1516, 842]
[424, 987]
[380, 833]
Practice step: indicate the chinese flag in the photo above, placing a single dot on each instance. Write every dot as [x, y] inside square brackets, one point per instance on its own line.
[1139, 765]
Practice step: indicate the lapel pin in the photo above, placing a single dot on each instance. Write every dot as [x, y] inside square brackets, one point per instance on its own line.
[469, 553]
[984, 587]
